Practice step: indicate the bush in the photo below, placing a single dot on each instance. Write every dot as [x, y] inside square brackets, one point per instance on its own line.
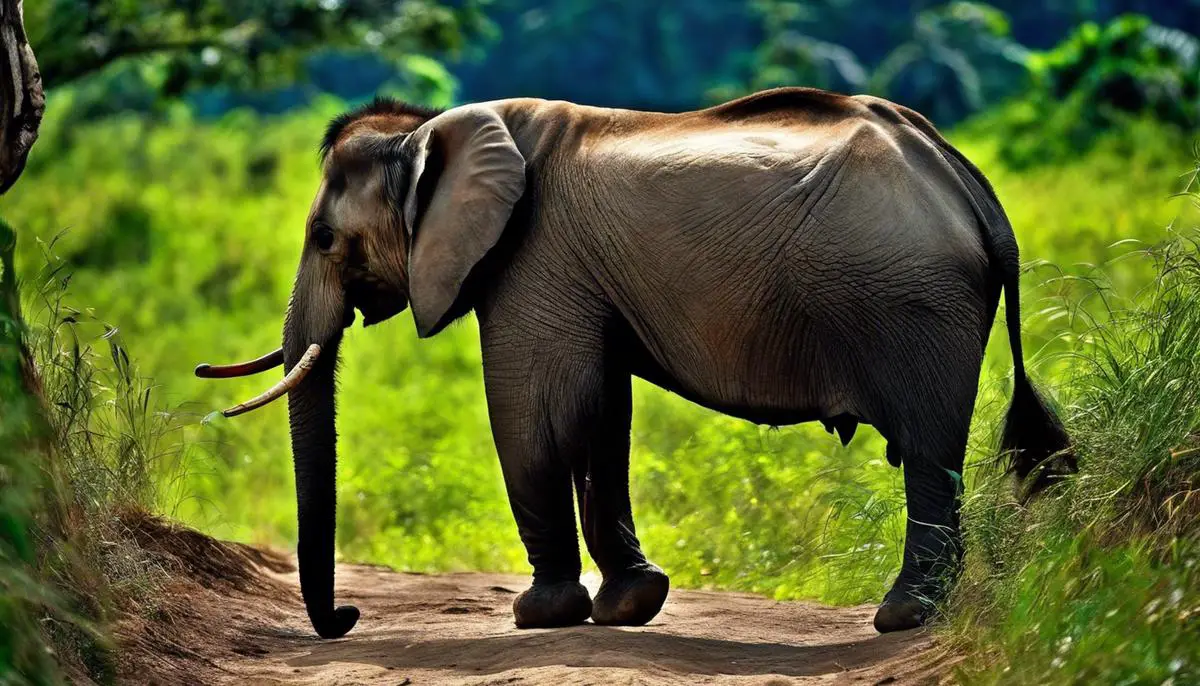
[1102, 78]
[1131, 65]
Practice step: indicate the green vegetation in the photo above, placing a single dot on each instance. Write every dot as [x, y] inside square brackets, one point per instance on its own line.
[1096, 79]
[1100, 580]
[23, 647]
[142, 50]
[86, 451]
[184, 232]
[948, 59]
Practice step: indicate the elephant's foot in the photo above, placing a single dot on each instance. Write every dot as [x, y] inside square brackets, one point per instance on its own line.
[631, 597]
[901, 611]
[545, 605]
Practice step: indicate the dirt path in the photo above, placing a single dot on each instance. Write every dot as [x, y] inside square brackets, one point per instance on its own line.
[458, 629]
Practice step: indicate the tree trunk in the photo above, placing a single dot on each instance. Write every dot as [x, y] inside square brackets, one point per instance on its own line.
[22, 101]
[21, 106]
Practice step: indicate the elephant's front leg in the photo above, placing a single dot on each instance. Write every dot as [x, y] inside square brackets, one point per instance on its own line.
[634, 589]
[543, 398]
[537, 476]
[556, 410]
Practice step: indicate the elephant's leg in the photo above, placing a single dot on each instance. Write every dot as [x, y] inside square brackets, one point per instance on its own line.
[634, 589]
[931, 440]
[923, 408]
[538, 479]
[932, 540]
[541, 505]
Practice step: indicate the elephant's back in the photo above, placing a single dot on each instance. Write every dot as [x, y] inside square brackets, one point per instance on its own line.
[782, 106]
[765, 244]
[724, 195]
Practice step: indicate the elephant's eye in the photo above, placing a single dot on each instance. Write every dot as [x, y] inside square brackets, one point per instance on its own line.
[323, 237]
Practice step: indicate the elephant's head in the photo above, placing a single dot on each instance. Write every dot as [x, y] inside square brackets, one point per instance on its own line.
[409, 204]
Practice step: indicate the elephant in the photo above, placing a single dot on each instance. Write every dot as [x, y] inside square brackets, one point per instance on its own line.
[795, 255]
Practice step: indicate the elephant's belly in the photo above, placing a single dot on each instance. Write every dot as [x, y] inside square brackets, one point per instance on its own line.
[798, 382]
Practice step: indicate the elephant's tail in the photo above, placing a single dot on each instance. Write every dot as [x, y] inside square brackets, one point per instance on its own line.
[1033, 435]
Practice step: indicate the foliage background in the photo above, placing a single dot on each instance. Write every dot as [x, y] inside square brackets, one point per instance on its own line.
[173, 177]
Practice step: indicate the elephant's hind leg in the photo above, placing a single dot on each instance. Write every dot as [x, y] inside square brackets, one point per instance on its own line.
[932, 539]
[931, 441]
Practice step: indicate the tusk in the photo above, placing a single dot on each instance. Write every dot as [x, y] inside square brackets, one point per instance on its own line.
[225, 371]
[285, 384]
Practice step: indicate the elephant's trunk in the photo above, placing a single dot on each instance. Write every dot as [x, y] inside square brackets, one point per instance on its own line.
[315, 317]
[317, 313]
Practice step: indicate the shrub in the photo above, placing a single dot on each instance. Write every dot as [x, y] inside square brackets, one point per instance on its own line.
[1101, 78]
[1131, 65]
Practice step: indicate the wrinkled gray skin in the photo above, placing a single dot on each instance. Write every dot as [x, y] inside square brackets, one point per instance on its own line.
[788, 257]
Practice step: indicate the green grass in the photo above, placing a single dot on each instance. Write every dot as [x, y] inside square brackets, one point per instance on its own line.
[1084, 612]
[24, 597]
[185, 235]
[1099, 581]
[85, 448]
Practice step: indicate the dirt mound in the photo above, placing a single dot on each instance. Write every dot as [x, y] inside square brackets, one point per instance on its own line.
[163, 635]
[233, 614]
[203, 559]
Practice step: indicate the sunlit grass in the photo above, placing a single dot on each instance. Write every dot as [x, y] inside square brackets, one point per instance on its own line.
[84, 445]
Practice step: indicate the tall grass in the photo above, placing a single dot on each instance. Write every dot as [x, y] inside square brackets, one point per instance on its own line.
[24, 650]
[86, 449]
[1099, 580]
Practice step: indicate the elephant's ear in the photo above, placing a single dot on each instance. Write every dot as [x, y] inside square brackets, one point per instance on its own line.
[466, 176]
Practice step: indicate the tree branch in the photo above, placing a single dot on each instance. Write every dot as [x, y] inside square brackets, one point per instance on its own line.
[83, 67]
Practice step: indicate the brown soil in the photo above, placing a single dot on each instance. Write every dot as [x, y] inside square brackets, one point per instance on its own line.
[458, 629]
